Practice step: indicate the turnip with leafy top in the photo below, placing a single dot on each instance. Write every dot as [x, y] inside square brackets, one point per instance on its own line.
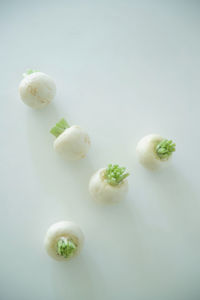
[109, 184]
[71, 142]
[63, 240]
[154, 150]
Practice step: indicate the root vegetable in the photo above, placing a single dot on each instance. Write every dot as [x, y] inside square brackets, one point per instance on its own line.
[37, 89]
[109, 184]
[63, 240]
[153, 150]
[72, 143]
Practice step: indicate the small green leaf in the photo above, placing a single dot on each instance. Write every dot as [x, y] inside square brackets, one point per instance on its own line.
[115, 174]
[165, 149]
[59, 128]
[28, 72]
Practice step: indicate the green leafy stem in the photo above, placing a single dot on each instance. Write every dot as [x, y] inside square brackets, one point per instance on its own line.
[66, 247]
[115, 174]
[165, 149]
[59, 128]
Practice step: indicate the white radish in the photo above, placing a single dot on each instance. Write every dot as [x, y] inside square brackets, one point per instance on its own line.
[72, 143]
[109, 185]
[152, 150]
[63, 240]
[37, 89]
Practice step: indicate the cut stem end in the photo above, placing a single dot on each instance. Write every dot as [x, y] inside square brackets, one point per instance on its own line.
[28, 72]
[165, 148]
[115, 174]
[59, 128]
[66, 247]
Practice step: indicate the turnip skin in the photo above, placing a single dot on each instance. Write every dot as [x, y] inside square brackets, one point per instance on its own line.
[37, 90]
[102, 191]
[63, 229]
[73, 143]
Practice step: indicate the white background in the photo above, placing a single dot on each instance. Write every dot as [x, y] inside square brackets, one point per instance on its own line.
[123, 69]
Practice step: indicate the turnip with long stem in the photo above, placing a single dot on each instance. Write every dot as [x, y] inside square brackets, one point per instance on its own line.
[153, 150]
[63, 240]
[71, 142]
[37, 89]
[109, 184]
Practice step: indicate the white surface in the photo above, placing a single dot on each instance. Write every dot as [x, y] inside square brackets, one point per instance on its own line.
[123, 69]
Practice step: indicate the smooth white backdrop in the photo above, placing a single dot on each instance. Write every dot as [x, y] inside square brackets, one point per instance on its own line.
[123, 69]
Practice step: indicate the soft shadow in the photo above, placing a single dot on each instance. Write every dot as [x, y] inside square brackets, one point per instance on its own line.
[177, 199]
[123, 225]
[82, 275]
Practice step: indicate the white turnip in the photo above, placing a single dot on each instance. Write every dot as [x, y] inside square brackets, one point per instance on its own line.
[153, 150]
[109, 184]
[37, 89]
[71, 142]
[63, 240]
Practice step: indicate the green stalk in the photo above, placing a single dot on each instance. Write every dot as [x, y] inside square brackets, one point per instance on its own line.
[59, 128]
[115, 174]
[165, 149]
[66, 247]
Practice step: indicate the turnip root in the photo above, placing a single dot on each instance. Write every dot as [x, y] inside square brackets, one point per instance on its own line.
[63, 240]
[109, 184]
[72, 143]
[37, 89]
[153, 150]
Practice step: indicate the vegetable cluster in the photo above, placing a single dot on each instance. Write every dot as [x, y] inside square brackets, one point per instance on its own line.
[64, 239]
